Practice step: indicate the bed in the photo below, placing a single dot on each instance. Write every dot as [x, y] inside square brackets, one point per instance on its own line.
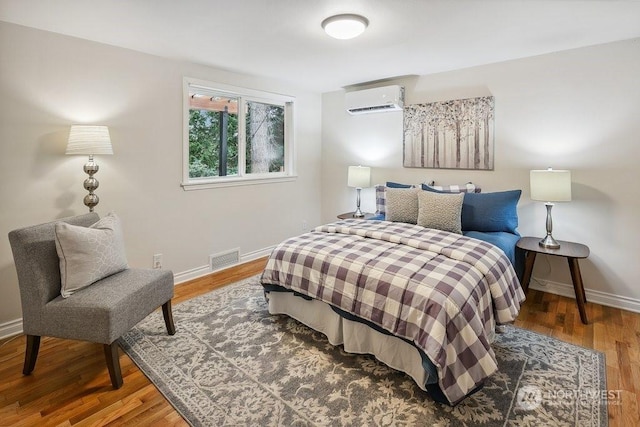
[422, 300]
[491, 217]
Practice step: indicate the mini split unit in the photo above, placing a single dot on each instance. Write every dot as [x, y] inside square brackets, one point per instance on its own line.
[375, 100]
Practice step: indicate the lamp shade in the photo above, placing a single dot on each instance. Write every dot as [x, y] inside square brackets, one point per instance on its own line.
[90, 140]
[359, 176]
[550, 185]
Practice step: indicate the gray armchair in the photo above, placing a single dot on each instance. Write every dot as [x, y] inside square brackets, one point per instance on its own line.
[100, 313]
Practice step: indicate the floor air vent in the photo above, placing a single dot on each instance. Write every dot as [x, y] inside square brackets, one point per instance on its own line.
[224, 259]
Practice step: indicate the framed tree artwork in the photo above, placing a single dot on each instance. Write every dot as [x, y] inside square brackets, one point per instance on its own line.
[456, 134]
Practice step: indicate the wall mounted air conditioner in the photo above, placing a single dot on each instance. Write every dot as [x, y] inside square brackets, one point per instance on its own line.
[375, 100]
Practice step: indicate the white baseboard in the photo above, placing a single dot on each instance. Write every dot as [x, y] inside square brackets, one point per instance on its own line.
[193, 273]
[250, 256]
[598, 297]
[11, 328]
[14, 327]
[201, 271]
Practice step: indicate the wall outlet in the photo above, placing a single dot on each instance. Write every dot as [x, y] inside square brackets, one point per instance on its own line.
[157, 261]
[304, 225]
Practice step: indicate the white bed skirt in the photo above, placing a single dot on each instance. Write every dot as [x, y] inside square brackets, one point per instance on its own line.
[356, 337]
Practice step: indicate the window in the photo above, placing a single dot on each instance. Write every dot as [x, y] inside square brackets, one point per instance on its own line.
[235, 136]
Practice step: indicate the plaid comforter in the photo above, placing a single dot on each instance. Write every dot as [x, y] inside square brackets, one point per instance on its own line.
[442, 291]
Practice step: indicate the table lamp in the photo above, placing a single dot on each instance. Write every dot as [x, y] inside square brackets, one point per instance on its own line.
[89, 140]
[359, 177]
[550, 186]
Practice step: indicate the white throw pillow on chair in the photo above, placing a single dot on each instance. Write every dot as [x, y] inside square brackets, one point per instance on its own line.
[88, 254]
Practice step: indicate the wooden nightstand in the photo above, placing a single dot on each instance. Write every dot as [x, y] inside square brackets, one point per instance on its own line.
[569, 250]
[349, 215]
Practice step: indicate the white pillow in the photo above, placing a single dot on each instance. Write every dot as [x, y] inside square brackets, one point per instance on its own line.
[402, 205]
[442, 211]
[88, 254]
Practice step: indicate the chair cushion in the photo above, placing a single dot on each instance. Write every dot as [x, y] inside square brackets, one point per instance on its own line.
[110, 307]
[88, 254]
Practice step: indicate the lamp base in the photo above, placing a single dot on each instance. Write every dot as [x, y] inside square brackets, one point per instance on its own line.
[549, 242]
[358, 213]
[91, 184]
[91, 200]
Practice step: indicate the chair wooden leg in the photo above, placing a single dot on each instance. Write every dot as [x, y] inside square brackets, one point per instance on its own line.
[113, 364]
[168, 317]
[31, 354]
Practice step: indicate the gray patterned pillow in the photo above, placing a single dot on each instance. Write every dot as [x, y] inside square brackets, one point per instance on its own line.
[440, 211]
[88, 254]
[402, 205]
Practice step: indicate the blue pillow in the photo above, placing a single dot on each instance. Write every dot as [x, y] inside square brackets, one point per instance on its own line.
[426, 187]
[491, 211]
[396, 185]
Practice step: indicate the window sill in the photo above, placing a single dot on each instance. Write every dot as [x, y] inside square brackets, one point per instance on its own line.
[235, 182]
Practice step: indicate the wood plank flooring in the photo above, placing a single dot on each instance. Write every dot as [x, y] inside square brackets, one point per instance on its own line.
[70, 385]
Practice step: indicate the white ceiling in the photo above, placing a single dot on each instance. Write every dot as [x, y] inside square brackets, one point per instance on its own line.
[283, 38]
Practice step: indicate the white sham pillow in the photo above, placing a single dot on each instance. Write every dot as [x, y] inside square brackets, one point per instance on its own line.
[89, 254]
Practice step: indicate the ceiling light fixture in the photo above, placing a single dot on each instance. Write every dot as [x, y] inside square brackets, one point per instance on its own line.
[345, 26]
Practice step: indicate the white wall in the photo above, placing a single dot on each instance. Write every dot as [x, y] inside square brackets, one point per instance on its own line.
[576, 109]
[49, 81]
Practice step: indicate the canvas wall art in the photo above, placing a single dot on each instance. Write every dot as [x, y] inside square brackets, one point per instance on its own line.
[456, 134]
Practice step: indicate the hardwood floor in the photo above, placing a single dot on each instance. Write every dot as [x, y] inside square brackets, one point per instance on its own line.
[70, 384]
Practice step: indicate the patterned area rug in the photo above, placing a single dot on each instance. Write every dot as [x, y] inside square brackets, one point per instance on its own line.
[232, 363]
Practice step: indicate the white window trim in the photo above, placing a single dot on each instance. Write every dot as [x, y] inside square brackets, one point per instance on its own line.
[189, 184]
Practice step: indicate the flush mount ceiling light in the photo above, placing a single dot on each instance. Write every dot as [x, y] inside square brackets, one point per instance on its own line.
[345, 26]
